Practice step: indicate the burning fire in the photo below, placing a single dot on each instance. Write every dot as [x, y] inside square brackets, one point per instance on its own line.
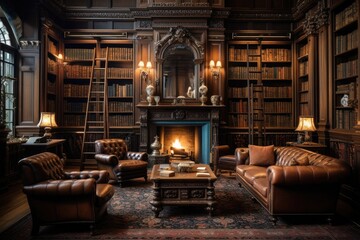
[177, 144]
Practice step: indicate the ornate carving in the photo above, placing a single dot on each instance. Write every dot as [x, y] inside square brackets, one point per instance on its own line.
[316, 19]
[178, 35]
[29, 44]
[179, 115]
[170, 193]
[197, 193]
[145, 24]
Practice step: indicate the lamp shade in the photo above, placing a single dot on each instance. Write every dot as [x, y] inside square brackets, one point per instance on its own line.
[306, 124]
[47, 119]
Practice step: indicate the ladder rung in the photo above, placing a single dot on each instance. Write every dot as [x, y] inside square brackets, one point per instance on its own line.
[255, 71]
[99, 68]
[94, 121]
[100, 58]
[254, 55]
[96, 101]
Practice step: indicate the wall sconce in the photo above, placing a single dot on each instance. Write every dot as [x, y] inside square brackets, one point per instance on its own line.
[47, 120]
[144, 72]
[215, 69]
[306, 124]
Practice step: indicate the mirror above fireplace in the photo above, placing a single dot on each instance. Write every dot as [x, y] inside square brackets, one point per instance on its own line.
[179, 63]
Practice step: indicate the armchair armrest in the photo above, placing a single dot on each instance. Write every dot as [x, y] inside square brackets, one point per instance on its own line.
[298, 175]
[137, 156]
[100, 176]
[62, 188]
[241, 156]
[219, 151]
[107, 159]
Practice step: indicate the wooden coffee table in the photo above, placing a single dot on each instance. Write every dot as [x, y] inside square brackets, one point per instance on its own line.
[183, 189]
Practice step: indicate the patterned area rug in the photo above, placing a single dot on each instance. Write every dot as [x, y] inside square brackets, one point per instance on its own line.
[237, 216]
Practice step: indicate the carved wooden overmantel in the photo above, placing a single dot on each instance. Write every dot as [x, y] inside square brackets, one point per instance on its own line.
[150, 116]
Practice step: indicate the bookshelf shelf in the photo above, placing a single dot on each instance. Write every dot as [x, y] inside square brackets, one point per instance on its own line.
[345, 35]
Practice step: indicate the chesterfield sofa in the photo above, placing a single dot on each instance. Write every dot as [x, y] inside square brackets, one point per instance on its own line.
[291, 180]
[56, 196]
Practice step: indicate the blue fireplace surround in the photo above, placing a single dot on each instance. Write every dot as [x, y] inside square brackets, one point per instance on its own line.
[207, 117]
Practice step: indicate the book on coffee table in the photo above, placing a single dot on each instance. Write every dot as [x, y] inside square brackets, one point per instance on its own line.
[167, 173]
[203, 174]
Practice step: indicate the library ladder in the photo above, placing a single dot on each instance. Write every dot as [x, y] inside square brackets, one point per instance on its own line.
[96, 116]
[256, 116]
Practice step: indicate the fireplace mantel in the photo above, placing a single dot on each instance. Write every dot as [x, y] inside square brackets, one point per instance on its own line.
[180, 114]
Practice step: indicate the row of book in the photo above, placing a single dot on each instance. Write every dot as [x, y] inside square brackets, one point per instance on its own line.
[270, 107]
[52, 48]
[345, 119]
[270, 92]
[125, 54]
[304, 50]
[304, 109]
[118, 107]
[83, 71]
[79, 54]
[121, 120]
[117, 120]
[346, 42]
[239, 72]
[76, 90]
[267, 54]
[241, 120]
[348, 15]
[120, 90]
[52, 66]
[304, 85]
[51, 86]
[349, 89]
[303, 69]
[304, 97]
[347, 69]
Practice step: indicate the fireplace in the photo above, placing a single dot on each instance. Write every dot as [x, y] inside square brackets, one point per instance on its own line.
[195, 126]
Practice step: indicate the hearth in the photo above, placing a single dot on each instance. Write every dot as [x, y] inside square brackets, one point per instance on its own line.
[200, 123]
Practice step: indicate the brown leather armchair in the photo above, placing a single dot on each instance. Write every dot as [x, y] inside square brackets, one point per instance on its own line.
[225, 159]
[56, 196]
[113, 155]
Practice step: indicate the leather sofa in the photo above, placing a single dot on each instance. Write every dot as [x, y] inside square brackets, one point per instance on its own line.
[293, 186]
[56, 196]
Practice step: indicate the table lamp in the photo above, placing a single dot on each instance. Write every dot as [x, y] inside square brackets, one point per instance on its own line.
[306, 125]
[47, 121]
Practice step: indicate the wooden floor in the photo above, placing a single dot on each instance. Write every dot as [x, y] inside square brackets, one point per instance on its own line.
[13, 205]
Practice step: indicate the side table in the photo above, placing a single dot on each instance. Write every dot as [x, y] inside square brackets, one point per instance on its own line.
[311, 146]
[158, 159]
[55, 146]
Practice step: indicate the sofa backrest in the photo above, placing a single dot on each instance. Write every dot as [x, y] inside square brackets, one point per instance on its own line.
[41, 167]
[285, 156]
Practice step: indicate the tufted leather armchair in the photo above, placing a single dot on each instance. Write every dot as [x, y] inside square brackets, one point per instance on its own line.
[113, 155]
[225, 159]
[56, 196]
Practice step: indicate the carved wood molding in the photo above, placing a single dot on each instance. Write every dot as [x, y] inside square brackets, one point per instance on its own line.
[316, 19]
[29, 44]
[179, 35]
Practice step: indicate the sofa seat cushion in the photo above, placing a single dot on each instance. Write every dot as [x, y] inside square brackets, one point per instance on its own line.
[104, 193]
[242, 169]
[129, 165]
[227, 162]
[261, 185]
[252, 175]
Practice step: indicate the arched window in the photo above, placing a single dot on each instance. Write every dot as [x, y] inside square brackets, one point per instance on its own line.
[8, 81]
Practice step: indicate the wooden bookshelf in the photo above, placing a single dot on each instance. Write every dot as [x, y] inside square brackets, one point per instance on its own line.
[302, 74]
[52, 65]
[345, 35]
[120, 75]
[276, 60]
[277, 80]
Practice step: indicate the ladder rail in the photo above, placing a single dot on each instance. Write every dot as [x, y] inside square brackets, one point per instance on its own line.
[256, 92]
[96, 123]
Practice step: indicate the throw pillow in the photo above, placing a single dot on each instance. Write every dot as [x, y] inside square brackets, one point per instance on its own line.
[301, 161]
[261, 155]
